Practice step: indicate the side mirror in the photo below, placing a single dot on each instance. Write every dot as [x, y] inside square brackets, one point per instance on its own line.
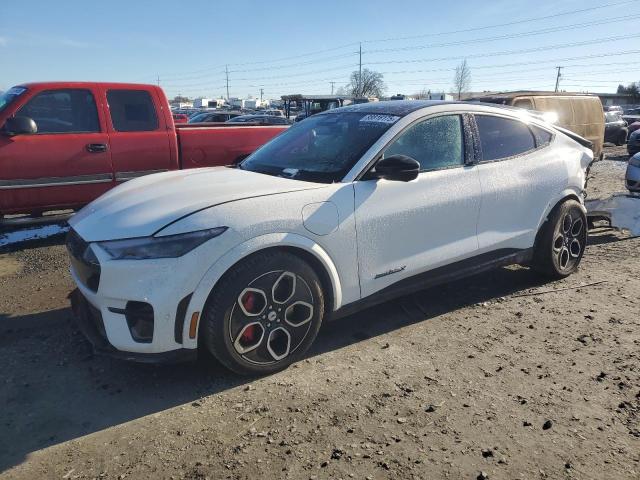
[398, 167]
[20, 126]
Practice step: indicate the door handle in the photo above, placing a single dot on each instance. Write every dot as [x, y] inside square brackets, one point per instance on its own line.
[96, 147]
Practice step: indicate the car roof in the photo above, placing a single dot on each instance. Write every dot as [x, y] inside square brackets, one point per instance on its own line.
[389, 107]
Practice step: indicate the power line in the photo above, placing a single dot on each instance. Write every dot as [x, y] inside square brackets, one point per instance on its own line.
[499, 25]
[510, 52]
[253, 79]
[316, 52]
[493, 67]
[507, 36]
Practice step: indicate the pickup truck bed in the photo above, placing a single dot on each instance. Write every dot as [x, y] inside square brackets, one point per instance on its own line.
[207, 145]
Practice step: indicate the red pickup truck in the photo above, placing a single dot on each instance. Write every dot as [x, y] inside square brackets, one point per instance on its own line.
[64, 144]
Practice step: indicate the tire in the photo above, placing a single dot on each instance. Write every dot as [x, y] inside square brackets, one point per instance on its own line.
[561, 241]
[622, 139]
[264, 314]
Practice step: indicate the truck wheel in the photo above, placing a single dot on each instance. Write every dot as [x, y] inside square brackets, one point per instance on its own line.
[561, 241]
[265, 313]
[622, 139]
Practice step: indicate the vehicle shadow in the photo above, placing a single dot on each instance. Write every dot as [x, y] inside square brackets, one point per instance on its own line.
[55, 390]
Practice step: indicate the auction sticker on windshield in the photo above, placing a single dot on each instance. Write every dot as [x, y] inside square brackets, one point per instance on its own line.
[372, 118]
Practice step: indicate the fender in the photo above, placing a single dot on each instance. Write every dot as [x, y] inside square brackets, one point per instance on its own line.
[233, 256]
[569, 192]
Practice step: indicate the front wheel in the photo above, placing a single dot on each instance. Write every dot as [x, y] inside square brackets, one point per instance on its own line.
[265, 313]
[561, 241]
[622, 139]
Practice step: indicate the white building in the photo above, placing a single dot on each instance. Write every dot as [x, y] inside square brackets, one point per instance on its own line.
[208, 103]
[440, 96]
[251, 103]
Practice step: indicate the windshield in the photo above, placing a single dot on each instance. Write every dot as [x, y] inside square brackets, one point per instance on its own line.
[197, 118]
[9, 96]
[323, 148]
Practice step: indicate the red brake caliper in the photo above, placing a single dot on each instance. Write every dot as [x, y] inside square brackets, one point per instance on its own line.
[248, 302]
[248, 335]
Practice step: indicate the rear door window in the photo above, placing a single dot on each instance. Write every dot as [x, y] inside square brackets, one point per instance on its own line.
[63, 111]
[132, 111]
[503, 137]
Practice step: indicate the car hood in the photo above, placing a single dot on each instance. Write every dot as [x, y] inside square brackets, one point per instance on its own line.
[144, 206]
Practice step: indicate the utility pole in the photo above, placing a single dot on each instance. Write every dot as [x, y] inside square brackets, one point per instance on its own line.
[158, 80]
[261, 93]
[558, 78]
[226, 71]
[332, 84]
[359, 93]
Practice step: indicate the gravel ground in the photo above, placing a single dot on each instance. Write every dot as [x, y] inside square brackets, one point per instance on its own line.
[499, 376]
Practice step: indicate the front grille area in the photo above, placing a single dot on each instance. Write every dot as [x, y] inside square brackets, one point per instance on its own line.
[84, 262]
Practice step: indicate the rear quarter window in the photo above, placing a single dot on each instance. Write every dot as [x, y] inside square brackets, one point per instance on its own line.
[542, 136]
[132, 111]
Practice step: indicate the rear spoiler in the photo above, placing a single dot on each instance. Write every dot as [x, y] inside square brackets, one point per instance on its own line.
[574, 136]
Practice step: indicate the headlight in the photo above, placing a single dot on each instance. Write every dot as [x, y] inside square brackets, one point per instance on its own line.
[635, 160]
[171, 246]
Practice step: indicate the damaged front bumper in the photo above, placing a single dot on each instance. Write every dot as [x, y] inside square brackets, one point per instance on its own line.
[89, 321]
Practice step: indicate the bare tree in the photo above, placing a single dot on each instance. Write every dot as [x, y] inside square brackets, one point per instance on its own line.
[341, 91]
[462, 78]
[371, 84]
[422, 94]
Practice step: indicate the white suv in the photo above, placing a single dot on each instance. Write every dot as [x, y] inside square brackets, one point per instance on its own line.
[350, 207]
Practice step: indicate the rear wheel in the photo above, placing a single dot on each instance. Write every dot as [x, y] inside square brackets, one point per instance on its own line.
[561, 241]
[265, 314]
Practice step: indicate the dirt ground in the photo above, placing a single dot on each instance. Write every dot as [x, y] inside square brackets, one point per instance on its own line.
[499, 376]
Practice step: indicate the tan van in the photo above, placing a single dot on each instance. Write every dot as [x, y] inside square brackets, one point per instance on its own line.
[579, 113]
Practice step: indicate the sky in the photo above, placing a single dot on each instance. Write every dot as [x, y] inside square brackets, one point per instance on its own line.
[287, 47]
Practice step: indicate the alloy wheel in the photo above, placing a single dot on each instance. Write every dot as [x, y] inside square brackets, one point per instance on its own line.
[271, 317]
[569, 242]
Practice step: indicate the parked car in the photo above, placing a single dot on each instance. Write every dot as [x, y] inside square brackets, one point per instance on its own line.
[631, 115]
[274, 112]
[180, 118]
[260, 119]
[214, 116]
[632, 177]
[579, 113]
[613, 108]
[615, 128]
[64, 144]
[633, 127]
[349, 208]
[633, 143]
